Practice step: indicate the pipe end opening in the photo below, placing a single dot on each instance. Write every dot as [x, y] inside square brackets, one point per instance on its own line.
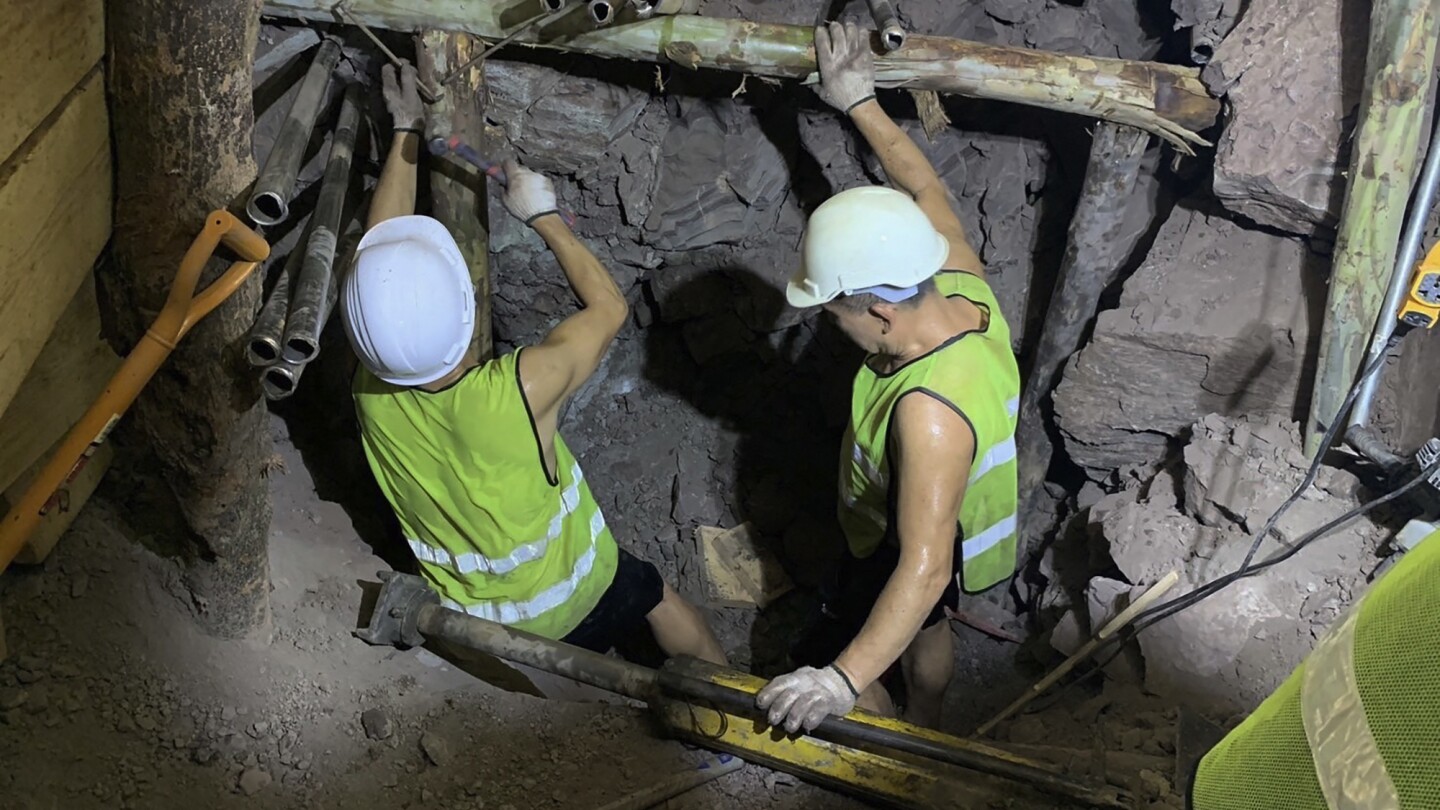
[278, 383]
[300, 350]
[893, 38]
[264, 352]
[267, 208]
[552, 6]
[602, 12]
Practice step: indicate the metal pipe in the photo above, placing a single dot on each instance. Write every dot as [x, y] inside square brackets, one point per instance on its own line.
[1400, 277]
[263, 347]
[575, 663]
[892, 35]
[552, 6]
[602, 12]
[309, 300]
[936, 746]
[269, 202]
[280, 380]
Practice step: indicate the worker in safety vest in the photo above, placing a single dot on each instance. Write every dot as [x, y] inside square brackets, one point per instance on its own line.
[927, 478]
[1357, 725]
[467, 452]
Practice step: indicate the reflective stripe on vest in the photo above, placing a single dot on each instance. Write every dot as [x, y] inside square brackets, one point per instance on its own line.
[473, 561]
[545, 601]
[1348, 764]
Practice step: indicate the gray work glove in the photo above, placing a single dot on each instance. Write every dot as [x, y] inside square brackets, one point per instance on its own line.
[402, 99]
[805, 697]
[529, 195]
[847, 65]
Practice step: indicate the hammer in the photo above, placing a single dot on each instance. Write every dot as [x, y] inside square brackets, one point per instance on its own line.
[454, 146]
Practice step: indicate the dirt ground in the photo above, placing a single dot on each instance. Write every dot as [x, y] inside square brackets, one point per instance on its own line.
[112, 698]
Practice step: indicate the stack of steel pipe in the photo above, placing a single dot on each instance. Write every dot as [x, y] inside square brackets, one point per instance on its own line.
[286, 335]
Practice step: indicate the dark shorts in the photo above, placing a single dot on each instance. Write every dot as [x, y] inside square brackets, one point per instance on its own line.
[849, 600]
[620, 613]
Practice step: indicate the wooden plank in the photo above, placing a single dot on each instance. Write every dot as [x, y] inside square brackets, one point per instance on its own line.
[70, 372]
[54, 220]
[49, 47]
[73, 498]
[739, 570]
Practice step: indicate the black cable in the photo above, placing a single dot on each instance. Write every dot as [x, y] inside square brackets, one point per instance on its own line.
[1157, 613]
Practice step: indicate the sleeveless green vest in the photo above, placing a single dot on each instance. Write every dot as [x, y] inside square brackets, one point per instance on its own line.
[976, 375]
[462, 469]
[1357, 725]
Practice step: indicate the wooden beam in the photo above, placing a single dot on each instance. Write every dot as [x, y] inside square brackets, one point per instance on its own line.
[1382, 172]
[457, 189]
[1168, 100]
[180, 87]
[49, 48]
[73, 498]
[70, 372]
[54, 220]
[1092, 258]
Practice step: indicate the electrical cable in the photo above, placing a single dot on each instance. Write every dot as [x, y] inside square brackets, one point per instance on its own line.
[1153, 615]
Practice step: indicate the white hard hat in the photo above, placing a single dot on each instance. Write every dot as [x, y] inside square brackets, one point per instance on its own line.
[408, 303]
[865, 237]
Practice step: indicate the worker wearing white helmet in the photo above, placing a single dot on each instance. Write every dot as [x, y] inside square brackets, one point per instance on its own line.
[491, 501]
[927, 480]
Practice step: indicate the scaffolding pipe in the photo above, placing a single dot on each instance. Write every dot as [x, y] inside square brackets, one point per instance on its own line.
[1400, 277]
[269, 203]
[280, 380]
[892, 35]
[310, 298]
[262, 348]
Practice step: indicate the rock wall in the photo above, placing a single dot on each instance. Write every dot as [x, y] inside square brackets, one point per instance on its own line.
[1218, 319]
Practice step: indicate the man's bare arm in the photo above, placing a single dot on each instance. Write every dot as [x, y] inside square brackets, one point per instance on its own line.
[395, 193]
[933, 448]
[556, 368]
[909, 169]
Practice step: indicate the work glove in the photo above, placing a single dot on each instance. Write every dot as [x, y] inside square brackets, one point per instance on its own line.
[402, 99]
[805, 697]
[529, 195]
[847, 65]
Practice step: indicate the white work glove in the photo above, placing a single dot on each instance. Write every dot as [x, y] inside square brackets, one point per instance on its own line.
[403, 99]
[529, 195]
[847, 65]
[805, 697]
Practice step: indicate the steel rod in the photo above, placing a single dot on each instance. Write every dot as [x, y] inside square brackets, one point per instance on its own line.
[841, 729]
[309, 300]
[269, 203]
[575, 663]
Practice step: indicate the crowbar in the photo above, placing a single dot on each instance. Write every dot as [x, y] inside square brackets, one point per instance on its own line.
[183, 309]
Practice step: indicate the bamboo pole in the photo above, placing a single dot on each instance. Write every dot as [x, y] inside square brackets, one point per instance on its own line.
[1168, 100]
[1382, 172]
[1091, 260]
[457, 190]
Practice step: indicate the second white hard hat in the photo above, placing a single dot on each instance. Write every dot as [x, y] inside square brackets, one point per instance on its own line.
[865, 237]
[408, 303]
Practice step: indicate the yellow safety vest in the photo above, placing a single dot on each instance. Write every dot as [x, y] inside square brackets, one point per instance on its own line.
[462, 469]
[976, 375]
[1357, 725]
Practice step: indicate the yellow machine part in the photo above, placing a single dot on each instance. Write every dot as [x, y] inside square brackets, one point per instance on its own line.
[895, 780]
[1422, 306]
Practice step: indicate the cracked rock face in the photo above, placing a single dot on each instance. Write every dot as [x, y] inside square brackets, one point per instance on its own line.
[1290, 81]
[1214, 321]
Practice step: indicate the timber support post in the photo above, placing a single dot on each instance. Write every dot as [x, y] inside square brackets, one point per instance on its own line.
[1383, 165]
[180, 79]
[1092, 257]
[457, 189]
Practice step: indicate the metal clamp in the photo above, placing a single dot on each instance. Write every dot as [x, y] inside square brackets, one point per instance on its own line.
[395, 622]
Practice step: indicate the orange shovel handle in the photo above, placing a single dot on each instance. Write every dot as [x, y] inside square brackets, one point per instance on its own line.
[182, 310]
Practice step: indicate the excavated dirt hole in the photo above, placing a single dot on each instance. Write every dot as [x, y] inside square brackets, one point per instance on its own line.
[716, 406]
